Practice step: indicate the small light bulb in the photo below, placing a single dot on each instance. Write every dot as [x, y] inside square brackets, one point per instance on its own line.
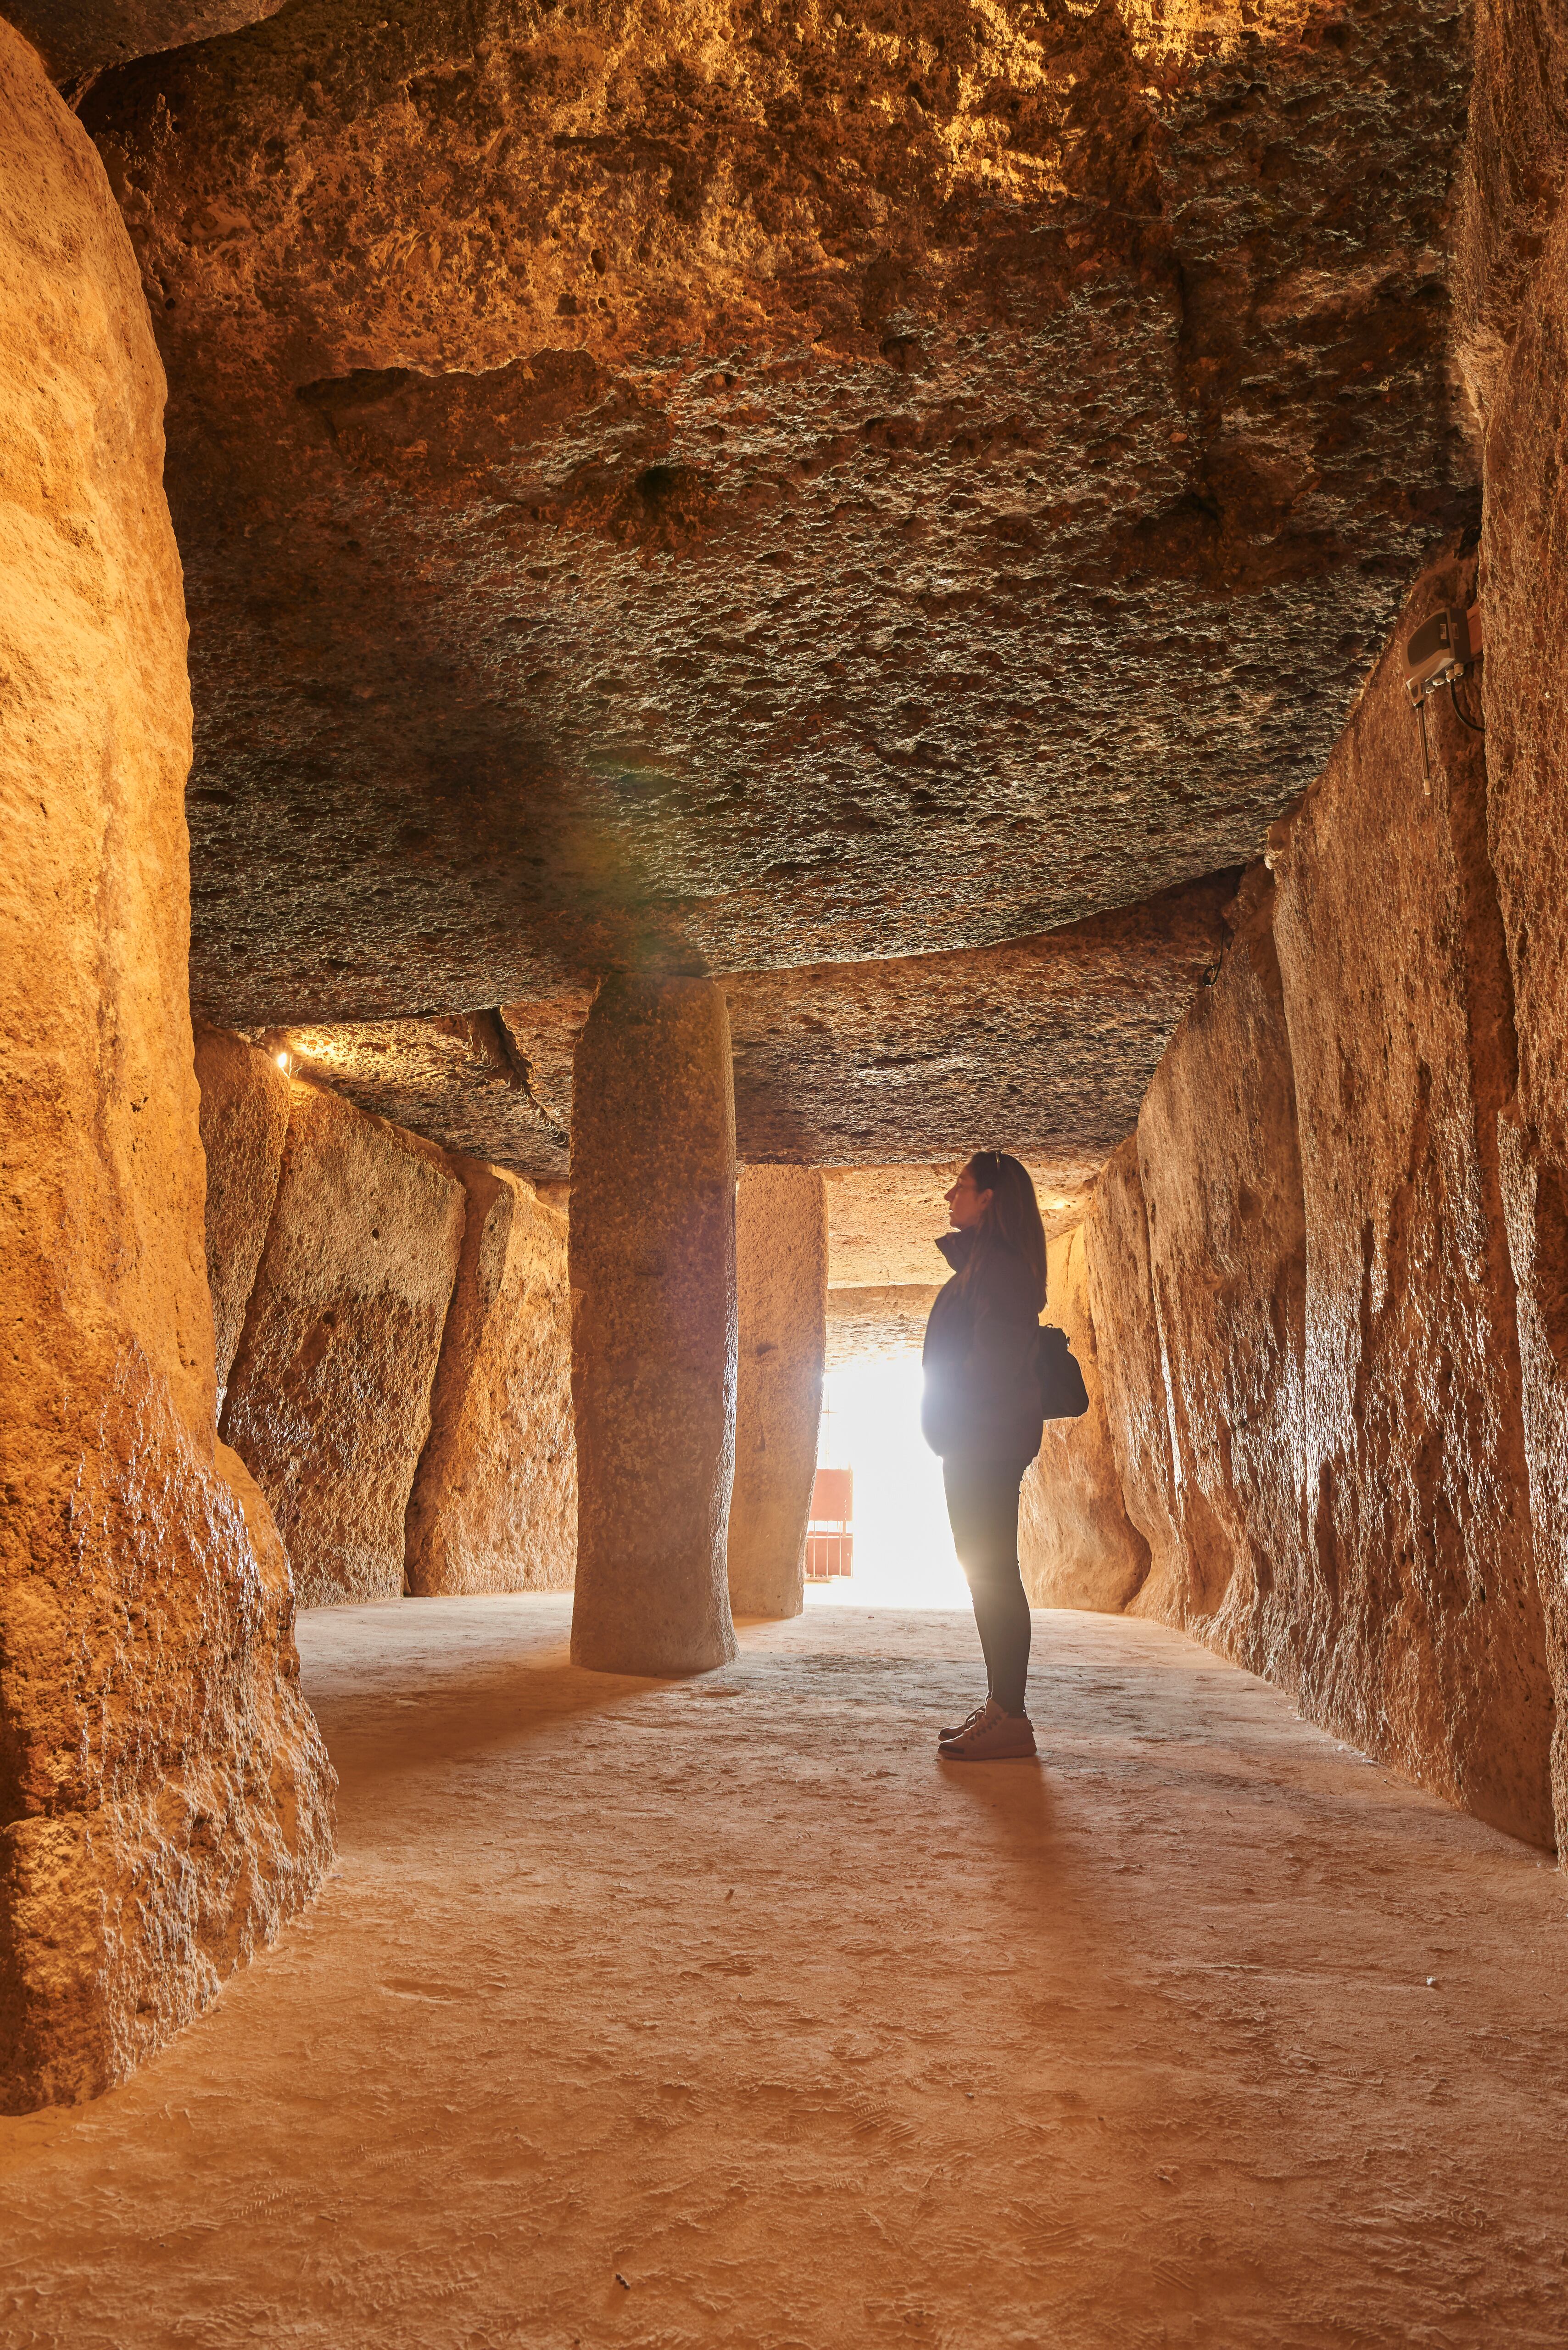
[283, 1060]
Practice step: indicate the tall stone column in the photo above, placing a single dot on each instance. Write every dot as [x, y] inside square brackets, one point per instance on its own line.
[652, 1252]
[780, 1245]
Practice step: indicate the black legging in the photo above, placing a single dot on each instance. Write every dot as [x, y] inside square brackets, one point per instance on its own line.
[982, 1506]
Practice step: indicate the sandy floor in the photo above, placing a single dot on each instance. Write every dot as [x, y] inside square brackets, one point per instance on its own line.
[719, 2013]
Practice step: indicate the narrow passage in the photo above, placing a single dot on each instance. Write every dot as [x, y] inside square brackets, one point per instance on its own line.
[716, 2011]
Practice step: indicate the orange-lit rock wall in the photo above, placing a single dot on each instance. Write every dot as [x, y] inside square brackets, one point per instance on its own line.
[328, 1399]
[1513, 349]
[1077, 1548]
[1341, 1498]
[165, 1801]
[399, 1324]
[245, 1118]
[494, 1499]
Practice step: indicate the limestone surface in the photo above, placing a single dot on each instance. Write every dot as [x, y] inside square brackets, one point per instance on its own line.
[245, 1118]
[1427, 1642]
[81, 38]
[781, 1285]
[329, 1399]
[1043, 1048]
[1344, 1500]
[494, 1499]
[1513, 345]
[1120, 1283]
[883, 1223]
[652, 1261]
[1077, 1545]
[461, 1082]
[165, 1802]
[1221, 1170]
[885, 1323]
[707, 487]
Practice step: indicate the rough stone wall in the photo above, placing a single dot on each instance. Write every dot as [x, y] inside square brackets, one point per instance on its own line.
[1219, 1170]
[1120, 1289]
[780, 1287]
[1514, 274]
[329, 1399]
[494, 1499]
[245, 1118]
[1077, 1545]
[1346, 1505]
[164, 1798]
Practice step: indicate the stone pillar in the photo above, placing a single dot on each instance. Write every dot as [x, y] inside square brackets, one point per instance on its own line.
[652, 1260]
[781, 1255]
[165, 1802]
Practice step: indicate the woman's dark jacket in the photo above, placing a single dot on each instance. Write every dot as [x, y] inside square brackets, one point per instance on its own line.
[983, 1388]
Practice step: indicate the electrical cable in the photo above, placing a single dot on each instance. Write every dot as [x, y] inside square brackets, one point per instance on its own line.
[1459, 714]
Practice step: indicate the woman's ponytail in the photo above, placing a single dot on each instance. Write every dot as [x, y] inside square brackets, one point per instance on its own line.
[1013, 1215]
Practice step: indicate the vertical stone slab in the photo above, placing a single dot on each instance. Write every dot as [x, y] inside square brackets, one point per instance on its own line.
[1513, 345]
[328, 1401]
[1077, 1548]
[165, 1802]
[1220, 1172]
[652, 1253]
[1424, 1638]
[245, 1118]
[1131, 1359]
[780, 1255]
[494, 1499]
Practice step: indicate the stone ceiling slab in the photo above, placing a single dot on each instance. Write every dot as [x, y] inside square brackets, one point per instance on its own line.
[741, 487]
[1044, 1048]
[83, 37]
[458, 1082]
[884, 1222]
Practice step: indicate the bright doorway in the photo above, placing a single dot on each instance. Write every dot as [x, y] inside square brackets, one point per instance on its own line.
[903, 1552]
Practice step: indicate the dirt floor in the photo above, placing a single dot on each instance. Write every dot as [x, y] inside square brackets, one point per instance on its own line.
[722, 2012]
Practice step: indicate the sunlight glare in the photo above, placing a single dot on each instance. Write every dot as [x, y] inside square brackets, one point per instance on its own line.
[903, 1548]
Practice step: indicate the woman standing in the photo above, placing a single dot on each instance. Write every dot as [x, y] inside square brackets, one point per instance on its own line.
[982, 1413]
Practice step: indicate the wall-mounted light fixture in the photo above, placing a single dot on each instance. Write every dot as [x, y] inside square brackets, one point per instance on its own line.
[1441, 650]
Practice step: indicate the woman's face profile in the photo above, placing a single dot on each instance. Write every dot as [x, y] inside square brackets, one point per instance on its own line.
[966, 1205]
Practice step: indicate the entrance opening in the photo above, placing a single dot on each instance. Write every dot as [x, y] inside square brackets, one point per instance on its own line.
[902, 1552]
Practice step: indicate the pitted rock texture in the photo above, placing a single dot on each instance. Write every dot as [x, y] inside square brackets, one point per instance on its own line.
[884, 1222]
[461, 1082]
[704, 487]
[1415, 1464]
[329, 1397]
[1043, 1048]
[780, 1287]
[878, 1324]
[244, 1118]
[1514, 349]
[1077, 1545]
[1395, 1591]
[165, 1802]
[1220, 1170]
[652, 1260]
[494, 1499]
[1120, 1288]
